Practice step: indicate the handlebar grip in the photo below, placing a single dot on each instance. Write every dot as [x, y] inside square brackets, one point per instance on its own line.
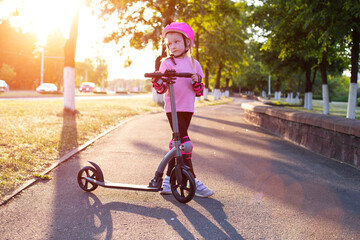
[186, 75]
[167, 74]
[154, 75]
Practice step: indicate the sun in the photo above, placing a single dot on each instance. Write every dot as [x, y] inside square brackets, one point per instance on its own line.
[42, 16]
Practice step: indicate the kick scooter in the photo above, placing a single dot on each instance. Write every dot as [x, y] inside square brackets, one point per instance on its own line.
[182, 182]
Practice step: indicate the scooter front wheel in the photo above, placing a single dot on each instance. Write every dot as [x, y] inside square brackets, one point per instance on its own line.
[183, 191]
[85, 184]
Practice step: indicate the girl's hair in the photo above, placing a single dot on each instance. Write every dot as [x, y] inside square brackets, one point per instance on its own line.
[192, 59]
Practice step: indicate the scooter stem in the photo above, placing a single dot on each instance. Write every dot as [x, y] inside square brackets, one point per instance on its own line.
[177, 142]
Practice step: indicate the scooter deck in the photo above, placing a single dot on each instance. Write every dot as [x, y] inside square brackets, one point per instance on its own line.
[135, 187]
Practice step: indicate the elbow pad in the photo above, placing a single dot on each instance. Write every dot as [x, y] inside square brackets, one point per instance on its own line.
[198, 88]
[160, 88]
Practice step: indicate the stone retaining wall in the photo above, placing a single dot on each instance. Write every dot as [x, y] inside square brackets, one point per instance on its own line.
[331, 136]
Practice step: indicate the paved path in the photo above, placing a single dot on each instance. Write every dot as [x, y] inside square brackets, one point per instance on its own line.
[265, 188]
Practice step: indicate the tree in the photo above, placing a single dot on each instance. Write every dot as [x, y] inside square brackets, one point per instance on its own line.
[151, 15]
[83, 70]
[286, 35]
[7, 73]
[69, 66]
[325, 29]
[222, 42]
[18, 50]
[91, 71]
[220, 21]
[321, 28]
[54, 58]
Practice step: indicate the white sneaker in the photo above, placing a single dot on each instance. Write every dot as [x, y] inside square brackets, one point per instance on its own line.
[202, 190]
[166, 186]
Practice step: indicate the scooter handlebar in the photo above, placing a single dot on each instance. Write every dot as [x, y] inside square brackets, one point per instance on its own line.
[168, 73]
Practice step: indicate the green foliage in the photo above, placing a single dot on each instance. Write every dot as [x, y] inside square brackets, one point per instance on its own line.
[91, 71]
[54, 58]
[18, 50]
[7, 73]
[300, 32]
[222, 45]
[339, 88]
[219, 26]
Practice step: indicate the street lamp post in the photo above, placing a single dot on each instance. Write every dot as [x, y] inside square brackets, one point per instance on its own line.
[42, 66]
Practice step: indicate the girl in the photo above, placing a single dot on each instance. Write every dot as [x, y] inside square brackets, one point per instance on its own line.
[180, 39]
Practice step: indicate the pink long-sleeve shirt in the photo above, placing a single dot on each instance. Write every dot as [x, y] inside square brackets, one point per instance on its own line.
[184, 93]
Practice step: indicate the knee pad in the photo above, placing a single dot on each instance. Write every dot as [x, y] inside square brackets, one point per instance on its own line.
[186, 145]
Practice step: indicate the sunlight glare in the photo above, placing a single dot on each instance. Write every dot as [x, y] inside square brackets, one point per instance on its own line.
[43, 16]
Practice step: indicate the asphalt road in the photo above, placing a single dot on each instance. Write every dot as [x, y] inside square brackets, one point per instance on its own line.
[265, 188]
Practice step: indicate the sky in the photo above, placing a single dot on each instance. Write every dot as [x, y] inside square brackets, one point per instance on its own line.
[90, 36]
[43, 16]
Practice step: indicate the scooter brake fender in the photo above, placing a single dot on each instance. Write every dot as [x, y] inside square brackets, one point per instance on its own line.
[185, 167]
[99, 172]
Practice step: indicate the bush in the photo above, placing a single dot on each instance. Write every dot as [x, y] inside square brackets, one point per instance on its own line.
[358, 102]
[317, 97]
[342, 98]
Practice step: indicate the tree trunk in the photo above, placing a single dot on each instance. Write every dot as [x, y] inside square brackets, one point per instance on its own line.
[351, 108]
[197, 42]
[314, 78]
[278, 89]
[227, 92]
[158, 59]
[206, 88]
[158, 98]
[325, 87]
[69, 65]
[217, 92]
[263, 94]
[308, 87]
[297, 98]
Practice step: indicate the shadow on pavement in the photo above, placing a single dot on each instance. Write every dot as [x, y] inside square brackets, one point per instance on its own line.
[61, 203]
[203, 225]
[102, 213]
[222, 121]
[215, 208]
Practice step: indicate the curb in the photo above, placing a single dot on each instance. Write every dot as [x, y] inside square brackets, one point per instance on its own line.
[64, 158]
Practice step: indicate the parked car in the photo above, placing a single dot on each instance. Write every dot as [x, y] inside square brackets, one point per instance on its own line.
[47, 88]
[3, 86]
[87, 87]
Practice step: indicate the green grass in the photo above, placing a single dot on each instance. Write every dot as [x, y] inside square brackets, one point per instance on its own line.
[26, 94]
[36, 133]
[336, 108]
[32, 94]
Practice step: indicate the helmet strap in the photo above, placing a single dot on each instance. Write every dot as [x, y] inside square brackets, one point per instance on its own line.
[180, 54]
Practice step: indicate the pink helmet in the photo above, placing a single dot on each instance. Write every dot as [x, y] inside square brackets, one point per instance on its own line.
[181, 28]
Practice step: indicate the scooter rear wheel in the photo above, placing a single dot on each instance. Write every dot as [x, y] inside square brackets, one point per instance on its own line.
[183, 191]
[85, 184]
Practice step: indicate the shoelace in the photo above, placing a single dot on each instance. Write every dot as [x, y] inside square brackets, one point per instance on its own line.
[200, 186]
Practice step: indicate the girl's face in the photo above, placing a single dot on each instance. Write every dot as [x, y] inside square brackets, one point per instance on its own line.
[175, 43]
